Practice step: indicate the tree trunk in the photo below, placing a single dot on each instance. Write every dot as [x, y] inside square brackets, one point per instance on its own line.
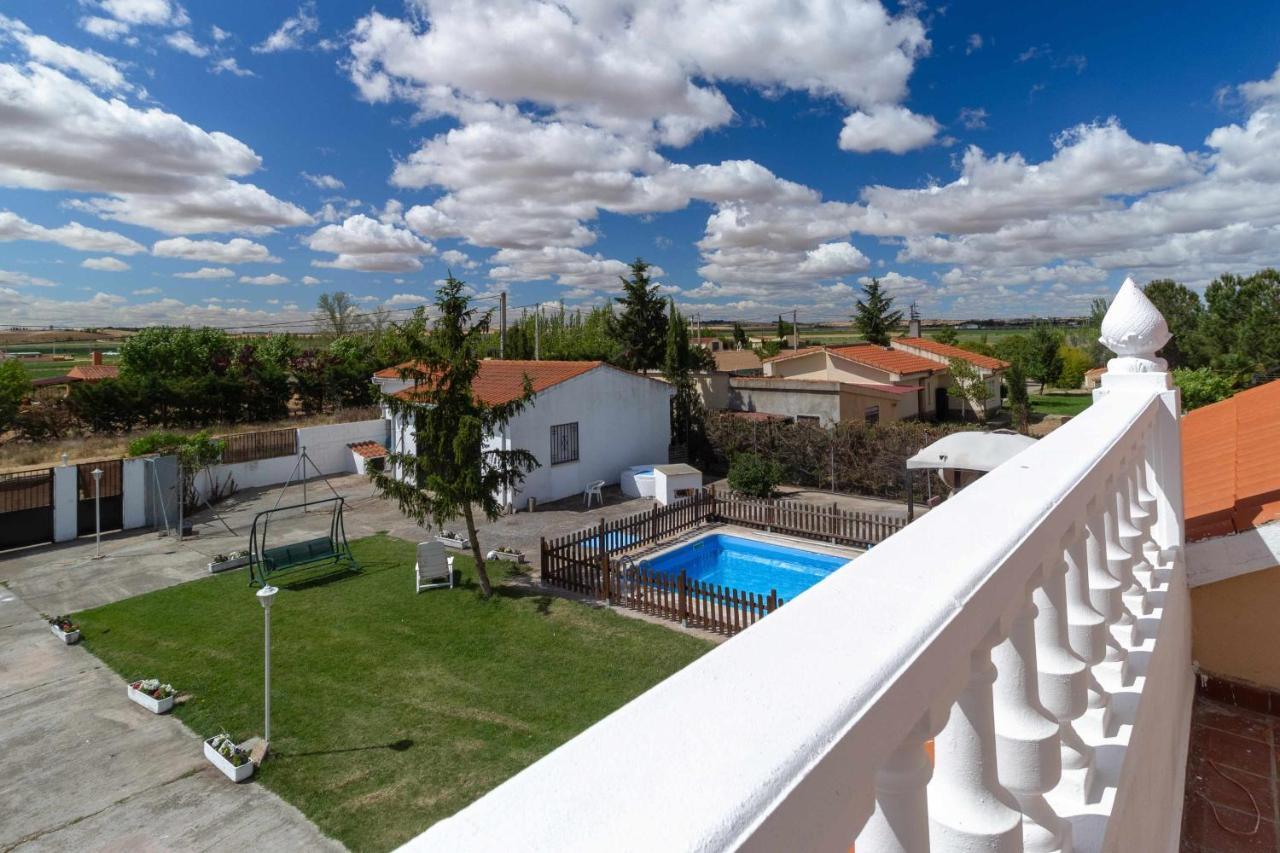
[486, 589]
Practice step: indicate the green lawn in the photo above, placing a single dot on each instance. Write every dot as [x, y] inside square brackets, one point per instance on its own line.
[1059, 404]
[390, 710]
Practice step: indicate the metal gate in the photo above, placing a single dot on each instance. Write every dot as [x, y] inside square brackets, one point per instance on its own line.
[110, 494]
[26, 508]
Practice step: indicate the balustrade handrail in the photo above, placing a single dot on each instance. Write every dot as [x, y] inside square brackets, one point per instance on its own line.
[772, 741]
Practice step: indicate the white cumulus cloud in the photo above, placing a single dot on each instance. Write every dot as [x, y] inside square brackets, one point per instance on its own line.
[235, 251]
[104, 264]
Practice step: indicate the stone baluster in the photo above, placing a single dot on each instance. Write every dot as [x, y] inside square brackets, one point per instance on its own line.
[1142, 521]
[1087, 632]
[900, 823]
[1105, 592]
[1063, 675]
[968, 807]
[1028, 749]
[1119, 564]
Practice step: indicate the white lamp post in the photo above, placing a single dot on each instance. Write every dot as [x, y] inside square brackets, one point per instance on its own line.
[97, 513]
[266, 595]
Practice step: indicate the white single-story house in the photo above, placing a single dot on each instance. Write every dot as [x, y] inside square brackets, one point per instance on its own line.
[588, 421]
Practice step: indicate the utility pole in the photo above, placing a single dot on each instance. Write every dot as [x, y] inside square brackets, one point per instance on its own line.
[795, 331]
[537, 334]
[502, 327]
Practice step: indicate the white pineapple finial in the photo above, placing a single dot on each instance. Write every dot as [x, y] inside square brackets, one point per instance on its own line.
[1134, 329]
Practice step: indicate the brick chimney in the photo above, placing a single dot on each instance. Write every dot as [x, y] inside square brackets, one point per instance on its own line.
[97, 356]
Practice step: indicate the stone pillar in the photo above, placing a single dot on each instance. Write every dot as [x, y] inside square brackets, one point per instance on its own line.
[66, 500]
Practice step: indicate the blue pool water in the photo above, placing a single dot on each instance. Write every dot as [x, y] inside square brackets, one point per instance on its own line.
[747, 564]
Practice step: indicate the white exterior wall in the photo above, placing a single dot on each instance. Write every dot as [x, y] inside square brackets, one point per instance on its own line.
[66, 497]
[134, 493]
[623, 420]
[326, 446]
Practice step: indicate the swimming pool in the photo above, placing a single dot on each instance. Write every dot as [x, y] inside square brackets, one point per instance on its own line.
[750, 565]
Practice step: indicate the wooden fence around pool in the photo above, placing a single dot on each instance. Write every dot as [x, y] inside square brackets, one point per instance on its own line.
[586, 561]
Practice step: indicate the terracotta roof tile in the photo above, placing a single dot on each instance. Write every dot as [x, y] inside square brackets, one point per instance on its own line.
[369, 449]
[884, 358]
[948, 351]
[501, 381]
[94, 372]
[1230, 469]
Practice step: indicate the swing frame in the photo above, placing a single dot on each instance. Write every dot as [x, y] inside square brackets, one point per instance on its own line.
[265, 562]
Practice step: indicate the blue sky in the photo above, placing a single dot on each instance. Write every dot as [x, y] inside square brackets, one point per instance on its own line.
[226, 163]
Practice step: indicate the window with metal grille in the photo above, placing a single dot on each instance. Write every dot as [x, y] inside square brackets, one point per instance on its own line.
[872, 414]
[564, 443]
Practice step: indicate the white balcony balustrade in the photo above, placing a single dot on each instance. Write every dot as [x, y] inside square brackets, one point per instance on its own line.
[1034, 627]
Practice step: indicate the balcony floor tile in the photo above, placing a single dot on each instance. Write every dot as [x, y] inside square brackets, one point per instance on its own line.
[1229, 743]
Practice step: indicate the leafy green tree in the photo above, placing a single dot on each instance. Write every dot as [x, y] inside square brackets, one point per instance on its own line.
[1013, 349]
[947, 335]
[739, 336]
[1015, 380]
[1201, 386]
[174, 351]
[969, 385]
[452, 471]
[1075, 361]
[754, 476]
[875, 317]
[641, 327]
[1184, 312]
[678, 363]
[15, 386]
[1045, 354]
[785, 330]
[1242, 323]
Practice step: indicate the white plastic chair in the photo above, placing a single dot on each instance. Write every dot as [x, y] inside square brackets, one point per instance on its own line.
[434, 568]
[593, 490]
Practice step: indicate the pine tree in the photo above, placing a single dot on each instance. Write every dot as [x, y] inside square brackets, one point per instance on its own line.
[1016, 380]
[678, 362]
[641, 326]
[451, 471]
[876, 318]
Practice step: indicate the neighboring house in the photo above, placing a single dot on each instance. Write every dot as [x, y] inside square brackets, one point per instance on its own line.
[52, 387]
[857, 382]
[587, 421]
[1231, 500]
[990, 369]
[94, 372]
[712, 344]
[1093, 378]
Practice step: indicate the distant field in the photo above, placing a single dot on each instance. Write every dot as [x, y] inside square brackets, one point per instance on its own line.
[836, 336]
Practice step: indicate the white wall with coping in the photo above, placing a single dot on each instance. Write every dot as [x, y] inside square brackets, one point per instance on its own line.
[66, 498]
[326, 446]
[1223, 557]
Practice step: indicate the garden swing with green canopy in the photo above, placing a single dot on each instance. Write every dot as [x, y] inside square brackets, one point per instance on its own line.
[265, 560]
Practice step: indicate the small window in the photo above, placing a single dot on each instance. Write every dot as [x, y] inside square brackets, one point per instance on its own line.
[872, 415]
[564, 443]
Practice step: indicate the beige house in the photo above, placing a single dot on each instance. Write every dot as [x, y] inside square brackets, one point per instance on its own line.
[874, 383]
[990, 369]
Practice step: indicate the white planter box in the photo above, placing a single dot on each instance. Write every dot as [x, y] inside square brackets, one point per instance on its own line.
[235, 774]
[509, 558]
[453, 543]
[155, 706]
[68, 637]
[233, 563]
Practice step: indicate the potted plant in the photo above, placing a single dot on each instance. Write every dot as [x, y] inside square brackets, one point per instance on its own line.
[152, 695]
[65, 629]
[224, 754]
[506, 552]
[234, 560]
[450, 539]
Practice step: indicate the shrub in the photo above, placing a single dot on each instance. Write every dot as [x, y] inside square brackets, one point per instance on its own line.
[1201, 386]
[1075, 361]
[754, 476]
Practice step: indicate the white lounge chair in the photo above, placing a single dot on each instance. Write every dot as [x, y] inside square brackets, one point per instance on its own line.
[434, 568]
[593, 490]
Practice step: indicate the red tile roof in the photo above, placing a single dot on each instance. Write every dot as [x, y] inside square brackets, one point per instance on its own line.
[884, 358]
[1230, 468]
[948, 351]
[501, 381]
[369, 449]
[94, 372]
